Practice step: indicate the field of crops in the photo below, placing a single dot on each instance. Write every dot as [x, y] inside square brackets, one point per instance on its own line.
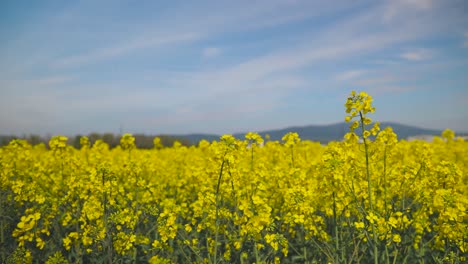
[368, 199]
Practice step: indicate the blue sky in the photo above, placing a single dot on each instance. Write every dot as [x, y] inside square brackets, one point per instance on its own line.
[70, 67]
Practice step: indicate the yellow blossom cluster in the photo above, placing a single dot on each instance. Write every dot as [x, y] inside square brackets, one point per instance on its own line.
[238, 200]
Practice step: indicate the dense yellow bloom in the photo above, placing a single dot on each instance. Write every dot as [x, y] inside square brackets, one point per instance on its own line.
[396, 238]
[291, 139]
[58, 142]
[254, 138]
[127, 142]
[238, 199]
[359, 225]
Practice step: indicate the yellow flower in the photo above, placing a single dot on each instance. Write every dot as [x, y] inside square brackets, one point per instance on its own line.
[40, 243]
[290, 139]
[366, 134]
[359, 225]
[372, 217]
[296, 191]
[367, 121]
[67, 243]
[254, 137]
[127, 142]
[237, 245]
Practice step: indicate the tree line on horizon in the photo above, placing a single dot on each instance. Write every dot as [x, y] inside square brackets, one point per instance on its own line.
[141, 140]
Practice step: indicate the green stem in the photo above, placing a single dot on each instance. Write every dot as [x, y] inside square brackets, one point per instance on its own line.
[292, 157]
[217, 211]
[107, 238]
[395, 257]
[385, 197]
[369, 188]
[366, 148]
[251, 158]
[257, 257]
[337, 245]
[385, 182]
[2, 236]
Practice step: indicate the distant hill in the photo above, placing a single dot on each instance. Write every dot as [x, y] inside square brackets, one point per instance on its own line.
[321, 133]
[195, 138]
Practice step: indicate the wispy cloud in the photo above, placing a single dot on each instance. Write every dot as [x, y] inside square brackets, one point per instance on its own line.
[396, 8]
[271, 76]
[378, 79]
[211, 52]
[183, 66]
[349, 75]
[151, 40]
[261, 81]
[418, 55]
[386, 80]
[193, 23]
[465, 43]
[377, 91]
[18, 87]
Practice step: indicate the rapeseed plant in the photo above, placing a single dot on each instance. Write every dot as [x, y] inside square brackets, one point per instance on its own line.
[371, 198]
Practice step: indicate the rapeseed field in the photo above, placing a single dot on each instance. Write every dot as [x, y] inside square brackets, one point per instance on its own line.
[371, 198]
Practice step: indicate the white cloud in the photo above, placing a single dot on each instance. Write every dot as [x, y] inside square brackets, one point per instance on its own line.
[379, 79]
[271, 76]
[465, 43]
[257, 84]
[396, 8]
[418, 55]
[53, 80]
[211, 52]
[150, 40]
[420, 4]
[193, 23]
[260, 82]
[391, 89]
[33, 86]
[385, 80]
[349, 75]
